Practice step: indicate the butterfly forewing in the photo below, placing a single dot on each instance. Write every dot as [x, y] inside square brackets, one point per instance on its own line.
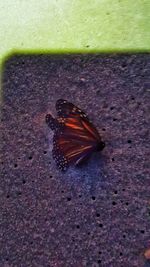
[76, 118]
[65, 109]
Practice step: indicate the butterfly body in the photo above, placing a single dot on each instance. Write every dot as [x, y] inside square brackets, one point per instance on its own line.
[75, 137]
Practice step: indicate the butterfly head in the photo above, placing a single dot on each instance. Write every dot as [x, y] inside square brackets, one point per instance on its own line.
[100, 146]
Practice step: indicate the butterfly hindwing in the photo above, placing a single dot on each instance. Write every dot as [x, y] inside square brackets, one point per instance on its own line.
[53, 123]
[58, 154]
[67, 151]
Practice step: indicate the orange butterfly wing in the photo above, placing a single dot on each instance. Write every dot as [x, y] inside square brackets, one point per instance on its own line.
[75, 136]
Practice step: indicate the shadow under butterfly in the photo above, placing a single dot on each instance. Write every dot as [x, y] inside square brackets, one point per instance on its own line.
[75, 137]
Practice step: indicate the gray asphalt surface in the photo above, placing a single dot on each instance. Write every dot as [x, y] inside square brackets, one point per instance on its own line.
[95, 215]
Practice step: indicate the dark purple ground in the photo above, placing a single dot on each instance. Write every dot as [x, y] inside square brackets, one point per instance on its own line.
[96, 215]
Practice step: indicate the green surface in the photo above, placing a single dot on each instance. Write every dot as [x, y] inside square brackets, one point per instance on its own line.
[74, 26]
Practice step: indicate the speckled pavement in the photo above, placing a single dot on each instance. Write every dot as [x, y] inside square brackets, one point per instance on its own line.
[95, 215]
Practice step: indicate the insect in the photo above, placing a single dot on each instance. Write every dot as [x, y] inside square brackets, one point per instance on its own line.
[75, 137]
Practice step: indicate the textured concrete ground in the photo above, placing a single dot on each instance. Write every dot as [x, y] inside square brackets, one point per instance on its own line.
[96, 215]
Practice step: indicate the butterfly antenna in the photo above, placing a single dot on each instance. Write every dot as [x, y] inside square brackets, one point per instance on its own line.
[51, 122]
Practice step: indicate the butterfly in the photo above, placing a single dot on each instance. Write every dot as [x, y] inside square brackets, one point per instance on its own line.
[75, 137]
